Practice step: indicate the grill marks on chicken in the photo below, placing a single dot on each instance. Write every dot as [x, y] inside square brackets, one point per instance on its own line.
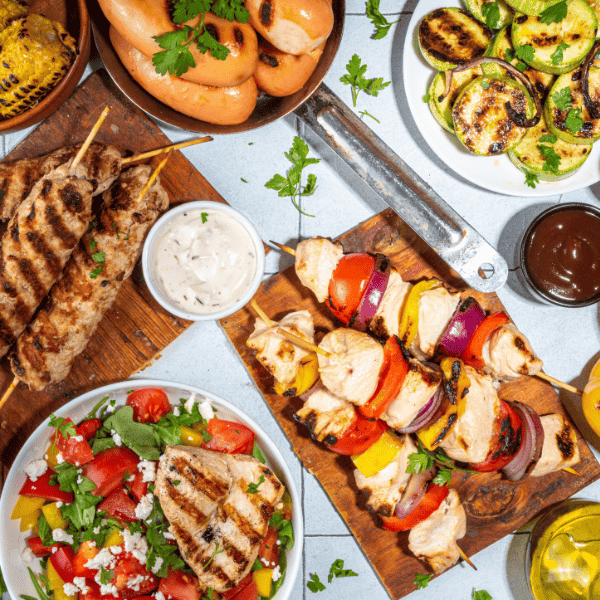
[218, 524]
[46, 350]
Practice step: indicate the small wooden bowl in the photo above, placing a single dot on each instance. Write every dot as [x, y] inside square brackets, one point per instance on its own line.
[74, 17]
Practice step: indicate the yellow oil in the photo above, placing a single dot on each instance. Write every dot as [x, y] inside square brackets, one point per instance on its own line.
[565, 563]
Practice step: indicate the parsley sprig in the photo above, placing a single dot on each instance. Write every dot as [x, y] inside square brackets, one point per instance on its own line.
[563, 99]
[253, 487]
[315, 584]
[382, 25]
[291, 184]
[337, 570]
[216, 551]
[481, 595]
[422, 460]
[356, 78]
[558, 55]
[421, 580]
[491, 14]
[555, 13]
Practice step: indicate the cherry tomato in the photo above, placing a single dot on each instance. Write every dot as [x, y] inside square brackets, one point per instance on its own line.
[360, 437]
[430, 502]
[35, 543]
[75, 451]
[42, 488]
[149, 404]
[128, 568]
[348, 283]
[107, 468]
[89, 428]
[179, 586]
[63, 562]
[229, 437]
[86, 551]
[268, 553]
[506, 440]
[119, 505]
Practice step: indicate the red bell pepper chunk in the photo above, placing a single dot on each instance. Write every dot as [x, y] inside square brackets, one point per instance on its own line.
[391, 377]
[41, 488]
[229, 437]
[107, 468]
[430, 502]
[63, 562]
[89, 428]
[35, 543]
[360, 437]
[75, 451]
[473, 354]
[119, 505]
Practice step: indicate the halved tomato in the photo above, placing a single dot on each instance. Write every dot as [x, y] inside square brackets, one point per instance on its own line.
[229, 437]
[74, 450]
[138, 486]
[179, 586]
[268, 553]
[107, 468]
[129, 568]
[149, 404]
[360, 437]
[88, 428]
[119, 505]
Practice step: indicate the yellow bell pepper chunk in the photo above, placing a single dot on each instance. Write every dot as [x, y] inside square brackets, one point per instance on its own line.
[191, 437]
[409, 314]
[26, 505]
[114, 538]
[306, 377]
[52, 454]
[379, 455]
[263, 578]
[55, 583]
[591, 399]
[30, 521]
[54, 516]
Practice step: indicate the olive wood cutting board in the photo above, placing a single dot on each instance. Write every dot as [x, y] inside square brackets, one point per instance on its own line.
[494, 505]
[136, 329]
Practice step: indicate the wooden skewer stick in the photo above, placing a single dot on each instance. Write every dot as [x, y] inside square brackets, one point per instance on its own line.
[89, 139]
[567, 469]
[9, 391]
[153, 177]
[560, 384]
[179, 146]
[284, 248]
[261, 313]
[466, 558]
[302, 342]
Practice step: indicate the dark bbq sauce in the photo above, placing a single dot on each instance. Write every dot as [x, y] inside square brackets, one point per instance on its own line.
[563, 255]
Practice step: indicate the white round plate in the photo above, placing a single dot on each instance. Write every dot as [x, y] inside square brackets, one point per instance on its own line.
[13, 542]
[494, 173]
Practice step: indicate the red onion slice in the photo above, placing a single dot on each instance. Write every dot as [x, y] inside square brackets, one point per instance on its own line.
[371, 299]
[531, 445]
[461, 328]
[426, 415]
[413, 494]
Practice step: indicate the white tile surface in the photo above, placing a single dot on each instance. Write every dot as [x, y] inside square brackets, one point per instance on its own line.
[568, 340]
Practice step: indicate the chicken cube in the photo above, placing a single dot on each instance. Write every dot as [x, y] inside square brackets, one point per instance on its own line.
[560, 447]
[386, 321]
[316, 259]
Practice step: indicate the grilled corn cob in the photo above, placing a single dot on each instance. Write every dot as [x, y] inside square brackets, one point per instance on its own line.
[11, 10]
[36, 54]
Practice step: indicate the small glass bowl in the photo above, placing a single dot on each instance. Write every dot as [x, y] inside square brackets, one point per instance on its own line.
[163, 224]
[540, 292]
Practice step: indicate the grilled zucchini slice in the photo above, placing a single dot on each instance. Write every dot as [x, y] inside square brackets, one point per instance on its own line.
[442, 111]
[558, 47]
[559, 116]
[531, 7]
[595, 5]
[528, 158]
[449, 37]
[481, 120]
[505, 12]
[502, 47]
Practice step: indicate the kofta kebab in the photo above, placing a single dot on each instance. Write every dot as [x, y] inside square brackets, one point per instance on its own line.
[53, 254]
[386, 404]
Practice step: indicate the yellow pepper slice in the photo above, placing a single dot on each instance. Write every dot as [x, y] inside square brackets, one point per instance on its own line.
[114, 538]
[52, 453]
[409, 314]
[306, 377]
[263, 578]
[54, 516]
[26, 505]
[30, 521]
[191, 437]
[55, 583]
[591, 399]
[379, 455]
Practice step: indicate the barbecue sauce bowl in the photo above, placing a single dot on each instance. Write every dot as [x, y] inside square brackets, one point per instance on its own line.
[560, 255]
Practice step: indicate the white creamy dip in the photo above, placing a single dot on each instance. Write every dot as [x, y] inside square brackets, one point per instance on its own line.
[205, 267]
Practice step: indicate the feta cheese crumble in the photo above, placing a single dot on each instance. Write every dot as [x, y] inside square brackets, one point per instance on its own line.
[60, 535]
[116, 437]
[148, 470]
[36, 469]
[144, 507]
[206, 410]
[27, 555]
[276, 573]
[158, 562]
[189, 404]
[104, 558]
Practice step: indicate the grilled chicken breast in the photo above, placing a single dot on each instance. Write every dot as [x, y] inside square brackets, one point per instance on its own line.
[560, 447]
[217, 521]
[316, 259]
[387, 318]
[434, 540]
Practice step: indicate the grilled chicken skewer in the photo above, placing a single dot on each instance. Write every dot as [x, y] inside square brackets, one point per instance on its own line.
[45, 352]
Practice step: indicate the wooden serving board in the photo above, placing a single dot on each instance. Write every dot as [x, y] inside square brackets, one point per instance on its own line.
[137, 328]
[494, 505]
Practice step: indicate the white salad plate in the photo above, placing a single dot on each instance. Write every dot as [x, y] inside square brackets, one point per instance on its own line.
[493, 173]
[12, 565]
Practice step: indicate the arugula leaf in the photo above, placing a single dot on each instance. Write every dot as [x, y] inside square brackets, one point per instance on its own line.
[382, 25]
[97, 407]
[491, 14]
[574, 122]
[44, 531]
[101, 444]
[421, 580]
[525, 53]
[481, 595]
[82, 511]
[552, 159]
[315, 585]
[253, 487]
[42, 594]
[291, 185]
[356, 78]
[284, 529]
[554, 14]
[558, 55]
[257, 453]
[550, 138]
[531, 179]
[161, 549]
[563, 98]
[282, 564]
[140, 437]
[337, 570]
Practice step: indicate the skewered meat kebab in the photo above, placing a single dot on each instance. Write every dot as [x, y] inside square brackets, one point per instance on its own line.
[363, 292]
[45, 352]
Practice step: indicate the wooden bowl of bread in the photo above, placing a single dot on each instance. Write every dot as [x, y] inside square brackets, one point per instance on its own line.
[45, 47]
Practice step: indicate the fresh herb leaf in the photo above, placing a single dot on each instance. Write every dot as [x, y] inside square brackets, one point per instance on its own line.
[531, 179]
[209, 595]
[140, 437]
[291, 184]
[285, 530]
[106, 576]
[204, 217]
[481, 595]
[491, 14]
[65, 427]
[356, 78]
[509, 54]
[42, 594]
[94, 274]
[554, 14]
[525, 53]
[552, 159]
[427, 97]
[419, 462]
[485, 84]
[315, 585]
[257, 453]
[563, 98]
[522, 66]
[337, 570]
[549, 138]
[217, 551]
[558, 55]
[574, 122]
[98, 257]
[176, 482]
[243, 180]
[421, 580]
[186, 10]
[443, 477]
[230, 10]
[44, 531]
[93, 244]
[92, 414]
[364, 113]
[253, 487]
[382, 25]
